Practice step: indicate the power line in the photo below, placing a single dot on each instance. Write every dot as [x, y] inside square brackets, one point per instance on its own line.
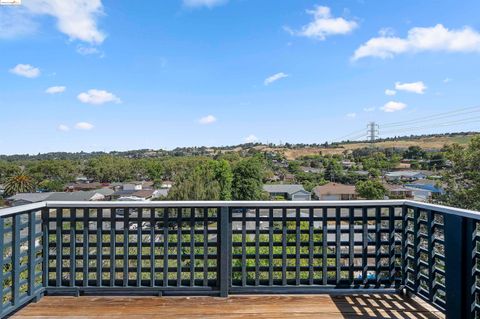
[458, 112]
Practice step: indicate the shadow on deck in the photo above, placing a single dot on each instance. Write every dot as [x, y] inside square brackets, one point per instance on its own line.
[270, 306]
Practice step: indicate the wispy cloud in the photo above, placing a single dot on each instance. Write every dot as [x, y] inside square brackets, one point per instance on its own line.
[251, 139]
[84, 126]
[413, 87]
[209, 119]
[324, 25]
[203, 3]
[447, 80]
[275, 77]
[369, 109]
[433, 39]
[90, 50]
[26, 70]
[55, 89]
[390, 92]
[351, 115]
[393, 106]
[98, 97]
[63, 128]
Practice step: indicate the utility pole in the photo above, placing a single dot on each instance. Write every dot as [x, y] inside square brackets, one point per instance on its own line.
[372, 132]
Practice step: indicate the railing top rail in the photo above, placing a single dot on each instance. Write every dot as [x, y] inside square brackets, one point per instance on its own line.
[247, 204]
[20, 209]
[445, 209]
[211, 204]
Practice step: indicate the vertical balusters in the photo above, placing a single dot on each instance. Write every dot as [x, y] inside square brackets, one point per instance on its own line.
[284, 246]
[324, 246]
[338, 235]
[113, 248]
[311, 247]
[73, 259]
[165, 246]
[139, 256]
[257, 246]
[270, 247]
[297, 246]
[31, 254]
[378, 244]
[99, 247]
[59, 247]
[152, 247]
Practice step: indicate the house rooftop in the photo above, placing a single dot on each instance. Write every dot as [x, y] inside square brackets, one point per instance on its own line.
[283, 188]
[334, 189]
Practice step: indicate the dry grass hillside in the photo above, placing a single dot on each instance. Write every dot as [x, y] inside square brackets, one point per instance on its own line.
[432, 143]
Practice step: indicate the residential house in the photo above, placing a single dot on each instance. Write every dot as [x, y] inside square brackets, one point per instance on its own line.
[398, 191]
[2, 189]
[424, 190]
[166, 184]
[29, 198]
[287, 191]
[335, 191]
[287, 178]
[312, 170]
[404, 176]
[84, 186]
[145, 194]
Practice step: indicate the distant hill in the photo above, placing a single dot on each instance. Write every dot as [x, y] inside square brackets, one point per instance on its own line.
[431, 142]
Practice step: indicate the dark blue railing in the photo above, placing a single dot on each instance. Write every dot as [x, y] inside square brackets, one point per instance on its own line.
[222, 248]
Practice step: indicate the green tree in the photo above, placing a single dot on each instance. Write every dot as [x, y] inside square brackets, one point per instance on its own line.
[414, 152]
[197, 183]
[223, 174]
[110, 169]
[463, 176]
[8, 170]
[19, 184]
[247, 180]
[371, 189]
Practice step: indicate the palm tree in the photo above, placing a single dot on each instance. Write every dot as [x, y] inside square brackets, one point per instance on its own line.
[19, 184]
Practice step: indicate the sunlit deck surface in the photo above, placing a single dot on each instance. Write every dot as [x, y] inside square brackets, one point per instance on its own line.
[265, 306]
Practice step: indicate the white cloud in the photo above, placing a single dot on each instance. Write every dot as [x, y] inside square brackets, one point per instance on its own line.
[75, 18]
[55, 89]
[369, 109]
[351, 115]
[83, 50]
[390, 92]
[98, 97]
[25, 70]
[324, 25]
[209, 119]
[414, 87]
[393, 106]
[433, 39]
[84, 126]
[447, 80]
[251, 139]
[274, 78]
[63, 128]
[15, 22]
[203, 3]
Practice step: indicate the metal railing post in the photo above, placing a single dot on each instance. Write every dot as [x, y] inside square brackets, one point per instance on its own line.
[458, 265]
[224, 254]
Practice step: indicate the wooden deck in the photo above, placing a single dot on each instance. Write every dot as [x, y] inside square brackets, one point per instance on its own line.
[291, 306]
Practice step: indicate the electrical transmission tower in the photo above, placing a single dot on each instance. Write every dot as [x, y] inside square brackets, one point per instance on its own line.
[372, 132]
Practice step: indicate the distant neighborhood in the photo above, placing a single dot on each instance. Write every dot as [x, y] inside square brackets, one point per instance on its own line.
[367, 173]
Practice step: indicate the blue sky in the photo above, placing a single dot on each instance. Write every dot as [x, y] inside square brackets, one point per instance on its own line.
[117, 75]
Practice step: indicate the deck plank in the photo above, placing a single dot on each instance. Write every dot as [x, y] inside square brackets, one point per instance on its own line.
[263, 307]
